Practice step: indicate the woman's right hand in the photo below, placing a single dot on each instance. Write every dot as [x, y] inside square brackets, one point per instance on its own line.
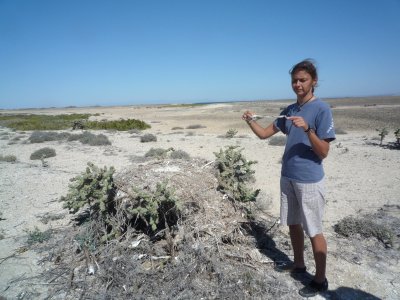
[247, 116]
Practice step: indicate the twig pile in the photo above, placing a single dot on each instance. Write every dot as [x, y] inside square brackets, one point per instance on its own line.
[212, 252]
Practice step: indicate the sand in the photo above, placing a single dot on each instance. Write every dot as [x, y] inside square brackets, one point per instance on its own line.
[361, 178]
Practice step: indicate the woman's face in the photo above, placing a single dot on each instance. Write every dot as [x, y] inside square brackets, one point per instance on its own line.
[302, 83]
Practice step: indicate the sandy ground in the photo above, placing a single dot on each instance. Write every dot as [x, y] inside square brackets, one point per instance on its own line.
[361, 178]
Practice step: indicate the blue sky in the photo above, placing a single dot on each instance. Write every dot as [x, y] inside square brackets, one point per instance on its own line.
[57, 53]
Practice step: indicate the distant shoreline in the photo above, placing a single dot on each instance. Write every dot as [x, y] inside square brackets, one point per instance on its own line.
[368, 99]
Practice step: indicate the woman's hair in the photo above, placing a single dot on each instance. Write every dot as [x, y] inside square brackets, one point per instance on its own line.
[307, 65]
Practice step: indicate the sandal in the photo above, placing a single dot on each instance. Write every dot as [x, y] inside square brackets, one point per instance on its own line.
[314, 288]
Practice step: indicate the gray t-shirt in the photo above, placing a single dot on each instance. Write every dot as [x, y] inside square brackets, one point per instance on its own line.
[299, 162]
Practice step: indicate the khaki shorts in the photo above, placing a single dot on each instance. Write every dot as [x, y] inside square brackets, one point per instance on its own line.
[303, 203]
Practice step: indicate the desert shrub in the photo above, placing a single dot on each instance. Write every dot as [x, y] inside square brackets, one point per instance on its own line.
[179, 154]
[90, 139]
[231, 133]
[365, 227]
[383, 132]
[157, 153]
[143, 209]
[339, 130]
[397, 135]
[196, 126]
[42, 153]
[45, 136]
[153, 210]
[47, 217]
[233, 174]
[161, 153]
[94, 187]
[40, 122]
[8, 158]
[121, 125]
[277, 141]
[37, 236]
[59, 122]
[148, 138]
[135, 131]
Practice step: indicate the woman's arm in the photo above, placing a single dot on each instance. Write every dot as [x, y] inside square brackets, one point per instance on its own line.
[320, 147]
[261, 132]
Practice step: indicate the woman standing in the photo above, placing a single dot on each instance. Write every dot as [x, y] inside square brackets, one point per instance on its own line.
[308, 125]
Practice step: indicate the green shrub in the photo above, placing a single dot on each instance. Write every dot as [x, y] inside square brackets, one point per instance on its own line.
[148, 138]
[43, 153]
[151, 210]
[8, 158]
[121, 125]
[59, 122]
[36, 236]
[234, 172]
[143, 209]
[382, 133]
[40, 122]
[397, 135]
[94, 187]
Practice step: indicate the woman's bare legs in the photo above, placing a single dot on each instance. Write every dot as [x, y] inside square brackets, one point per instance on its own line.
[297, 239]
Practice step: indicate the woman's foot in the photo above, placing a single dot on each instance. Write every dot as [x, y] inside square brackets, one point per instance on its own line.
[314, 288]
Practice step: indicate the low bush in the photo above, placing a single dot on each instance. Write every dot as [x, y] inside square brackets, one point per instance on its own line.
[8, 158]
[196, 126]
[383, 132]
[365, 227]
[40, 122]
[161, 153]
[46, 136]
[144, 209]
[157, 153]
[148, 138]
[43, 153]
[94, 187]
[397, 135]
[180, 154]
[231, 133]
[36, 236]
[91, 139]
[60, 122]
[120, 125]
[340, 131]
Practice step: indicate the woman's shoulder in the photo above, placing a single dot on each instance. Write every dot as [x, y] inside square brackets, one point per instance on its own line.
[321, 104]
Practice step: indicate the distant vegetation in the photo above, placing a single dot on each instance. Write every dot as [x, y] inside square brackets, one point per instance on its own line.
[40, 122]
[60, 122]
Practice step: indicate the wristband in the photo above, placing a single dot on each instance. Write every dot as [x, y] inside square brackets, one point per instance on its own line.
[308, 129]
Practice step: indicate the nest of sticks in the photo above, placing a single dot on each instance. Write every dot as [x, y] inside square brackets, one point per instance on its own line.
[216, 249]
